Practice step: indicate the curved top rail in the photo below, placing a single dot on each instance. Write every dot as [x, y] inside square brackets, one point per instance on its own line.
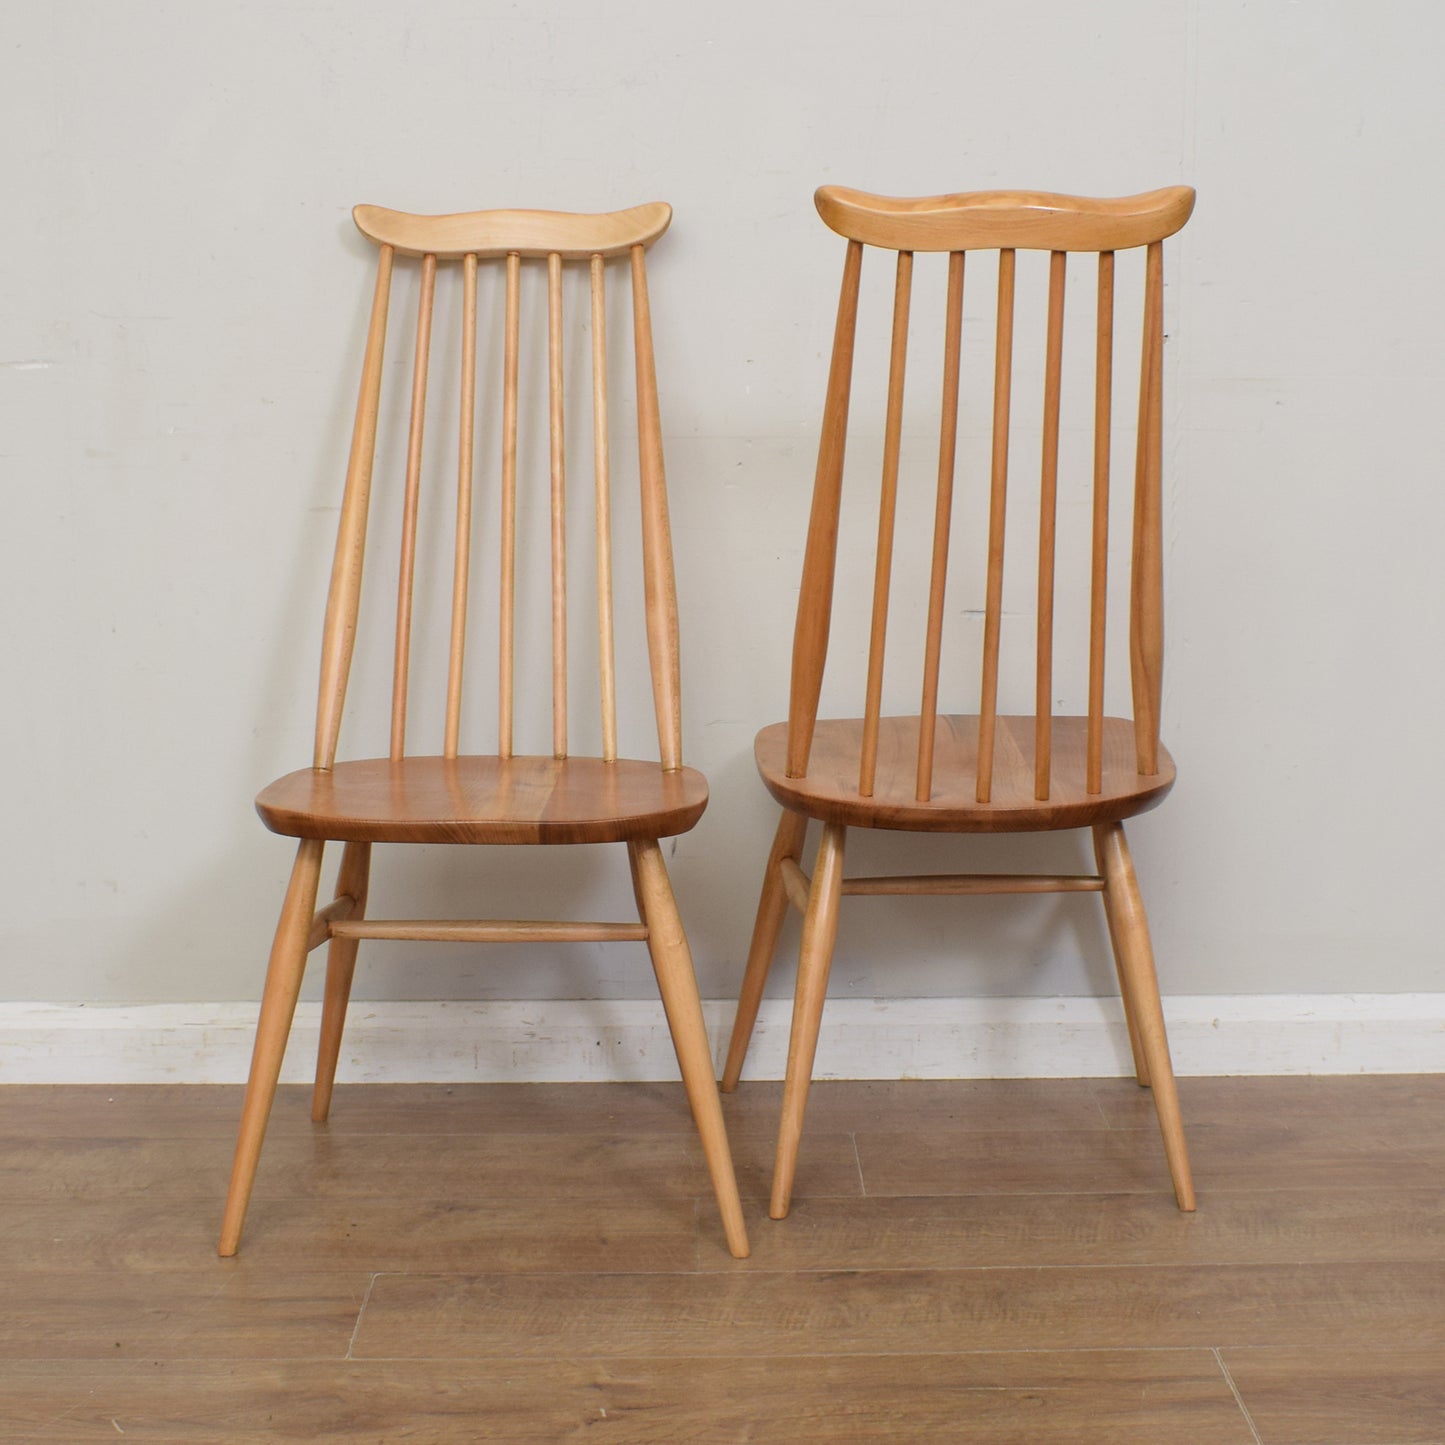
[1022, 220]
[574, 236]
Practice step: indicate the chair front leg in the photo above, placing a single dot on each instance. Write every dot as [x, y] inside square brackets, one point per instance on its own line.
[677, 983]
[352, 882]
[1136, 964]
[772, 909]
[278, 1007]
[815, 959]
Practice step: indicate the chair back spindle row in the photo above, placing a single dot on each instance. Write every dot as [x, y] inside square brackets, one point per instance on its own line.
[507, 239]
[1002, 222]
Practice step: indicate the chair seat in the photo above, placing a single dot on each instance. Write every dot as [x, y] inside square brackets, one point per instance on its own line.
[830, 789]
[485, 800]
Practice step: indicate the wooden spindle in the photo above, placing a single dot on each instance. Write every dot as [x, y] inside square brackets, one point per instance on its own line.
[1146, 593]
[998, 496]
[1099, 556]
[344, 593]
[815, 596]
[1048, 519]
[606, 664]
[559, 506]
[507, 571]
[401, 664]
[462, 561]
[887, 512]
[659, 581]
[942, 522]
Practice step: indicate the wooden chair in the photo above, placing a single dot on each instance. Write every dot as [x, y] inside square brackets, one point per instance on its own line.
[503, 797]
[991, 772]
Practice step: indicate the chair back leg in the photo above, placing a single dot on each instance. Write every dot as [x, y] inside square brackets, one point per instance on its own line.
[351, 883]
[772, 909]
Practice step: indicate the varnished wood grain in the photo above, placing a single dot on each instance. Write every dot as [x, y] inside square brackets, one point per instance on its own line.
[278, 1007]
[338, 633]
[830, 789]
[772, 907]
[485, 800]
[495, 234]
[1025, 220]
[677, 983]
[815, 598]
[1165, 1397]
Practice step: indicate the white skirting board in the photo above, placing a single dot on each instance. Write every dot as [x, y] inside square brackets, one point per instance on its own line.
[598, 1040]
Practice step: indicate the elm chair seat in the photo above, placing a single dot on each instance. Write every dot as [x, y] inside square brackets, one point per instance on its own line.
[829, 790]
[485, 800]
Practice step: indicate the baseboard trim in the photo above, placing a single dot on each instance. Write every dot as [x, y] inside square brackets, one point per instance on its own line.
[596, 1040]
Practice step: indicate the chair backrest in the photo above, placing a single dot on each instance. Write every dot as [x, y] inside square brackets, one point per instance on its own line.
[503, 242]
[1004, 222]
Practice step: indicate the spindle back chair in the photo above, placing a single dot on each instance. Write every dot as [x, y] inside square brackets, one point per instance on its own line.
[987, 772]
[505, 796]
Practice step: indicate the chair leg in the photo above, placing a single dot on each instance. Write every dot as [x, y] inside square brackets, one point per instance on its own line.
[278, 1007]
[1136, 963]
[1136, 1044]
[340, 968]
[815, 959]
[772, 909]
[677, 983]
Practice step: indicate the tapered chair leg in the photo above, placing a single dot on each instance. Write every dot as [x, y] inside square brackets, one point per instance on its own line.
[815, 959]
[1136, 1045]
[677, 983]
[340, 969]
[772, 909]
[278, 1007]
[1136, 964]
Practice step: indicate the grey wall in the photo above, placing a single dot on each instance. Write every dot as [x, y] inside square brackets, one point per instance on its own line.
[183, 301]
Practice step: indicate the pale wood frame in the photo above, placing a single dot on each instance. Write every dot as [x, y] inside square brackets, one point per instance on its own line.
[1006, 222]
[612, 799]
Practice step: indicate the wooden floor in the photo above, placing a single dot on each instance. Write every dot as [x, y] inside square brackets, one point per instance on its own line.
[966, 1262]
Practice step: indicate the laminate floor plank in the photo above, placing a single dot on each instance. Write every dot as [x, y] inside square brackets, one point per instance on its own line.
[881, 1312]
[1165, 1397]
[214, 1110]
[1400, 1103]
[529, 1235]
[956, 1105]
[1343, 1395]
[1346, 1153]
[136, 1111]
[984, 1231]
[219, 1313]
[325, 1165]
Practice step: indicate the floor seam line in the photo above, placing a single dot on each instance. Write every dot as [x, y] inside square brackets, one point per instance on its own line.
[1238, 1398]
[360, 1314]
